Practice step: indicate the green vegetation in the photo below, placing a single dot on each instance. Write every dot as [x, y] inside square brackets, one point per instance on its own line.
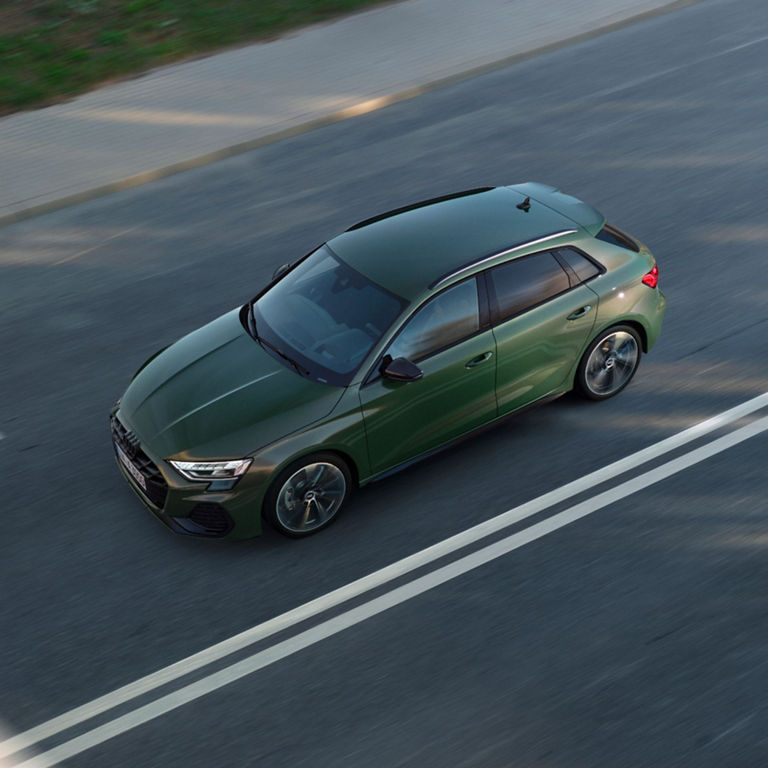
[51, 49]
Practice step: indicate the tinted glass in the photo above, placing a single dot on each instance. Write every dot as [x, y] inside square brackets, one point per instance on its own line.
[326, 315]
[449, 317]
[524, 282]
[615, 237]
[580, 264]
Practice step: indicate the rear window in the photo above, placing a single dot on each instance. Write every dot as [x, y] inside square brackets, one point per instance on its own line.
[615, 237]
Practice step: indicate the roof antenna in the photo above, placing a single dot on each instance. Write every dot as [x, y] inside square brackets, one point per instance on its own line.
[525, 205]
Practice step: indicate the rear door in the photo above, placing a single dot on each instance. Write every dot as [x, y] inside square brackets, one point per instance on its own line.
[543, 314]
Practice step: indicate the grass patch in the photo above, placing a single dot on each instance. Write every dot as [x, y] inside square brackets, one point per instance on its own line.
[53, 49]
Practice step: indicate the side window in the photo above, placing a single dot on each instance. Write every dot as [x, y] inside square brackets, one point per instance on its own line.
[580, 264]
[449, 317]
[521, 283]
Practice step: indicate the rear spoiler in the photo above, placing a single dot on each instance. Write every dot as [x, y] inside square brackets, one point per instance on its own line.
[577, 211]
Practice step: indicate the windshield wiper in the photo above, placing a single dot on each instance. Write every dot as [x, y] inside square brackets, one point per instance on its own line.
[300, 369]
[252, 318]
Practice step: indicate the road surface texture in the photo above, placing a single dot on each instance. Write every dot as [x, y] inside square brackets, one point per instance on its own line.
[633, 636]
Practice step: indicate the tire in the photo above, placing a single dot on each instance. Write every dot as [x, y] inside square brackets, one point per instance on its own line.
[609, 363]
[308, 495]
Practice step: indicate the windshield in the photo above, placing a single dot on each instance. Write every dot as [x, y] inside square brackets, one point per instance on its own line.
[326, 315]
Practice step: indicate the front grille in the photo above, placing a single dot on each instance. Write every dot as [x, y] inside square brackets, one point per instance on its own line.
[157, 488]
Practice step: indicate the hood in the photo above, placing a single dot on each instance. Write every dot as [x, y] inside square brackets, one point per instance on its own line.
[217, 394]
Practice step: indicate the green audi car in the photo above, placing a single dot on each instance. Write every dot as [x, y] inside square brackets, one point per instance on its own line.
[406, 332]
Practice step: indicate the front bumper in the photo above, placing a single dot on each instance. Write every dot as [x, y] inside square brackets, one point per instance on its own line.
[192, 508]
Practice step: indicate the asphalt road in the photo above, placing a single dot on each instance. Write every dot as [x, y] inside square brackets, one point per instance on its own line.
[632, 637]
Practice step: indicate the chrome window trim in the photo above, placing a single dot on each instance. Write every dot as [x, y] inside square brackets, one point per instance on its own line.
[502, 253]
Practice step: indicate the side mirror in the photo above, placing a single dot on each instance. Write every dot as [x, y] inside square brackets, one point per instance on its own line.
[280, 271]
[400, 369]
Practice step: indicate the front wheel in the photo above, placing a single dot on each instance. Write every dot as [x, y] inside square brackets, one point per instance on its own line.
[308, 495]
[609, 363]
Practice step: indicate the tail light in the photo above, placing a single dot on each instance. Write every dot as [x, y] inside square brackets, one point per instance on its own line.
[652, 278]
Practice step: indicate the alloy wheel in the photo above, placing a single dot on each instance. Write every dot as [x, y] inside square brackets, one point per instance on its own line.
[310, 497]
[611, 363]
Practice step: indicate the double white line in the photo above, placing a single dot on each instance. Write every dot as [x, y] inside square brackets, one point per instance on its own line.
[349, 618]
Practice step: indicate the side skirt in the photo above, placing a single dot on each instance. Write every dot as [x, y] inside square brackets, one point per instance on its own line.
[461, 438]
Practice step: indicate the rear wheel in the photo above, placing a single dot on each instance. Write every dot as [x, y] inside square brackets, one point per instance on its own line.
[609, 363]
[308, 495]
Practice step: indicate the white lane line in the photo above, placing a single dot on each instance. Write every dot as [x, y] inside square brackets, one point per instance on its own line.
[371, 581]
[396, 596]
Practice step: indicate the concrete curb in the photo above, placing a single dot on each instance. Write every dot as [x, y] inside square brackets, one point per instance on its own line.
[364, 107]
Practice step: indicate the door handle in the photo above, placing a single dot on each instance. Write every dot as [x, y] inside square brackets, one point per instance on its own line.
[479, 359]
[580, 312]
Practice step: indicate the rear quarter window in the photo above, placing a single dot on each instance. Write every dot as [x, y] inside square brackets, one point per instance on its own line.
[583, 267]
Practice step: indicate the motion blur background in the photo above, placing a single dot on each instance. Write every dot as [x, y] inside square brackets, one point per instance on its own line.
[141, 209]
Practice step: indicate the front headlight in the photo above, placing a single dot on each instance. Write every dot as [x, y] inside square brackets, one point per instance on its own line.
[212, 470]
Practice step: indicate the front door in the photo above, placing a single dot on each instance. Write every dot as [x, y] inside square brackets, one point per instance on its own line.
[456, 393]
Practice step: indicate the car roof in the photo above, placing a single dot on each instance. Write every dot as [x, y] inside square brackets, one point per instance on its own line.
[410, 250]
